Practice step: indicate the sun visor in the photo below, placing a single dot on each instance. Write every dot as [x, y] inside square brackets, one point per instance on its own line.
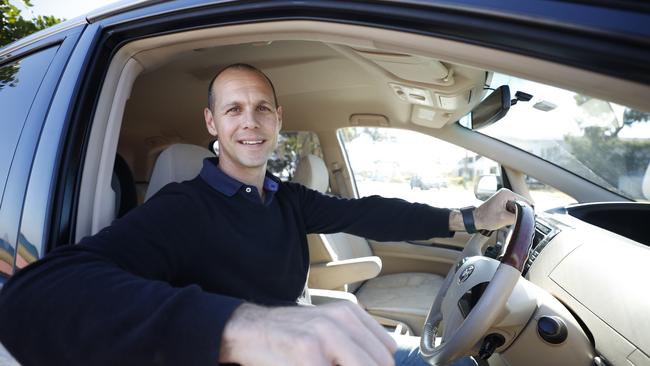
[411, 68]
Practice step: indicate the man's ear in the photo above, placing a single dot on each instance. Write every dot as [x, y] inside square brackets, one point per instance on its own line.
[279, 111]
[209, 121]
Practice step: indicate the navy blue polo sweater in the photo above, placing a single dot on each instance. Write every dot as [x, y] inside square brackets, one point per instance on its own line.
[159, 284]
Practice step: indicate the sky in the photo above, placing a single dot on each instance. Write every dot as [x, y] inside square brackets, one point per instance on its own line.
[67, 9]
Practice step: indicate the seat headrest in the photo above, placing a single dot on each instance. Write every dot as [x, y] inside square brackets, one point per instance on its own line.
[312, 173]
[177, 163]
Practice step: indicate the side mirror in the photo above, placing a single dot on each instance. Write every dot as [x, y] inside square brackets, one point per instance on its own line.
[487, 185]
[491, 109]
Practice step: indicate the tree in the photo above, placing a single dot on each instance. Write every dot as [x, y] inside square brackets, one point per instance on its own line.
[603, 152]
[13, 26]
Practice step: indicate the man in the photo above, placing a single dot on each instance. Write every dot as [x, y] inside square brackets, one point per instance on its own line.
[210, 269]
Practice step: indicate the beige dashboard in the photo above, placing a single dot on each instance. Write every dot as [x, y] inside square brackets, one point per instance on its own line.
[603, 278]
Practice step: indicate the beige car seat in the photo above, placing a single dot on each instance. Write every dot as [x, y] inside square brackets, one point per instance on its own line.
[405, 297]
[177, 163]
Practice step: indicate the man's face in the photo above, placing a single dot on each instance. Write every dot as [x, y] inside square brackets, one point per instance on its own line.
[245, 120]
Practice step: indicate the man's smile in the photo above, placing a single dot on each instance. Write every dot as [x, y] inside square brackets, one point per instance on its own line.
[255, 141]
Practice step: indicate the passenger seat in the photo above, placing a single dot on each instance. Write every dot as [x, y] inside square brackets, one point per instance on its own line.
[177, 163]
[405, 297]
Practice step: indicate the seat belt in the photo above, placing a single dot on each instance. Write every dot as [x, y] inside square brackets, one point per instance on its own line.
[341, 187]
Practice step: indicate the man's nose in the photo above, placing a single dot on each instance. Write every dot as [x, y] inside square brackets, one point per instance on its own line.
[250, 119]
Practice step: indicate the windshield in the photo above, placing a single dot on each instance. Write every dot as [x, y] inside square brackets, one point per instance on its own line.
[606, 143]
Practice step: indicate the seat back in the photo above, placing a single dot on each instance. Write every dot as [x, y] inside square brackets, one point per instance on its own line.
[123, 184]
[177, 163]
[312, 173]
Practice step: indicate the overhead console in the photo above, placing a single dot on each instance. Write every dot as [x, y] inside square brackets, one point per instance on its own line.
[439, 92]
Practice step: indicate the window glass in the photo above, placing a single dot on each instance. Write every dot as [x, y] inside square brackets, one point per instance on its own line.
[545, 196]
[291, 147]
[599, 140]
[414, 166]
[19, 82]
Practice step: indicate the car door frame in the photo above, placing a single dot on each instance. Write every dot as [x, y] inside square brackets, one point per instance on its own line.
[569, 40]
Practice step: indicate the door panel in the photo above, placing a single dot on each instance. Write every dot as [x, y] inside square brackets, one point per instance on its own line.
[434, 256]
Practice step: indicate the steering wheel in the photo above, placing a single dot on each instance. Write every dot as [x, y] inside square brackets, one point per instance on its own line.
[464, 325]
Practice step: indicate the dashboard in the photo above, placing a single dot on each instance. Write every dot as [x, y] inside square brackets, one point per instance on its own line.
[601, 276]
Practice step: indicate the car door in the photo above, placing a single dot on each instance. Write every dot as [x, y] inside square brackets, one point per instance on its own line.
[32, 76]
[32, 73]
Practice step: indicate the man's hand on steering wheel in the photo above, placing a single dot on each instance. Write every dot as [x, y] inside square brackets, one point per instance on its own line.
[492, 214]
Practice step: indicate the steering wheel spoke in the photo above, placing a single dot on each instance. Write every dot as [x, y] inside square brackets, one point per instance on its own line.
[474, 292]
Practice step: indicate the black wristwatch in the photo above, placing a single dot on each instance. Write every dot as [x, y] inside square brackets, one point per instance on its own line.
[468, 219]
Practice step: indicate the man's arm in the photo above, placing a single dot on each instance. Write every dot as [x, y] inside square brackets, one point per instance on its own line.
[387, 219]
[119, 298]
[373, 217]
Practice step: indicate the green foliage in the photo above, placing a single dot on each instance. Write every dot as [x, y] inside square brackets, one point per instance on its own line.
[603, 152]
[291, 147]
[13, 26]
[8, 75]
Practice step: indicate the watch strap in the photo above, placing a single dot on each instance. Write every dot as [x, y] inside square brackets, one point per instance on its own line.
[468, 219]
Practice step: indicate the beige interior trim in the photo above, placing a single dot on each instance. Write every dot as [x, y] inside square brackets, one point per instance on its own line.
[105, 196]
[618, 322]
[401, 257]
[336, 274]
[518, 182]
[400, 328]
[575, 350]
[321, 296]
[96, 198]
[154, 52]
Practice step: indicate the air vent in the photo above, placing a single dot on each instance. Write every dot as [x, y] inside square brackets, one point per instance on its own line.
[544, 232]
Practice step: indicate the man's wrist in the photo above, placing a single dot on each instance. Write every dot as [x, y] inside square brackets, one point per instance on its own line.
[467, 214]
[456, 221]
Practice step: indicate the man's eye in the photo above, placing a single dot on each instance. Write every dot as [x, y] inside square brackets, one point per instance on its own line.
[233, 110]
[263, 108]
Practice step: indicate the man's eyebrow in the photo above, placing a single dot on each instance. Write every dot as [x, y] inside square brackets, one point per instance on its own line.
[230, 104]
[236, 104]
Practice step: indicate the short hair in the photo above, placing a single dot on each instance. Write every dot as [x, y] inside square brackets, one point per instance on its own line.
[239, 66]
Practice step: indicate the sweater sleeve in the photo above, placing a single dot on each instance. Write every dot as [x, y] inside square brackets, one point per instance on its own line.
[119, 298]
[374, 217]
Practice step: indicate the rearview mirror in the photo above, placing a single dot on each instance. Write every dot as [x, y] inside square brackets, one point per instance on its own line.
[491, 109]
[487, 185]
